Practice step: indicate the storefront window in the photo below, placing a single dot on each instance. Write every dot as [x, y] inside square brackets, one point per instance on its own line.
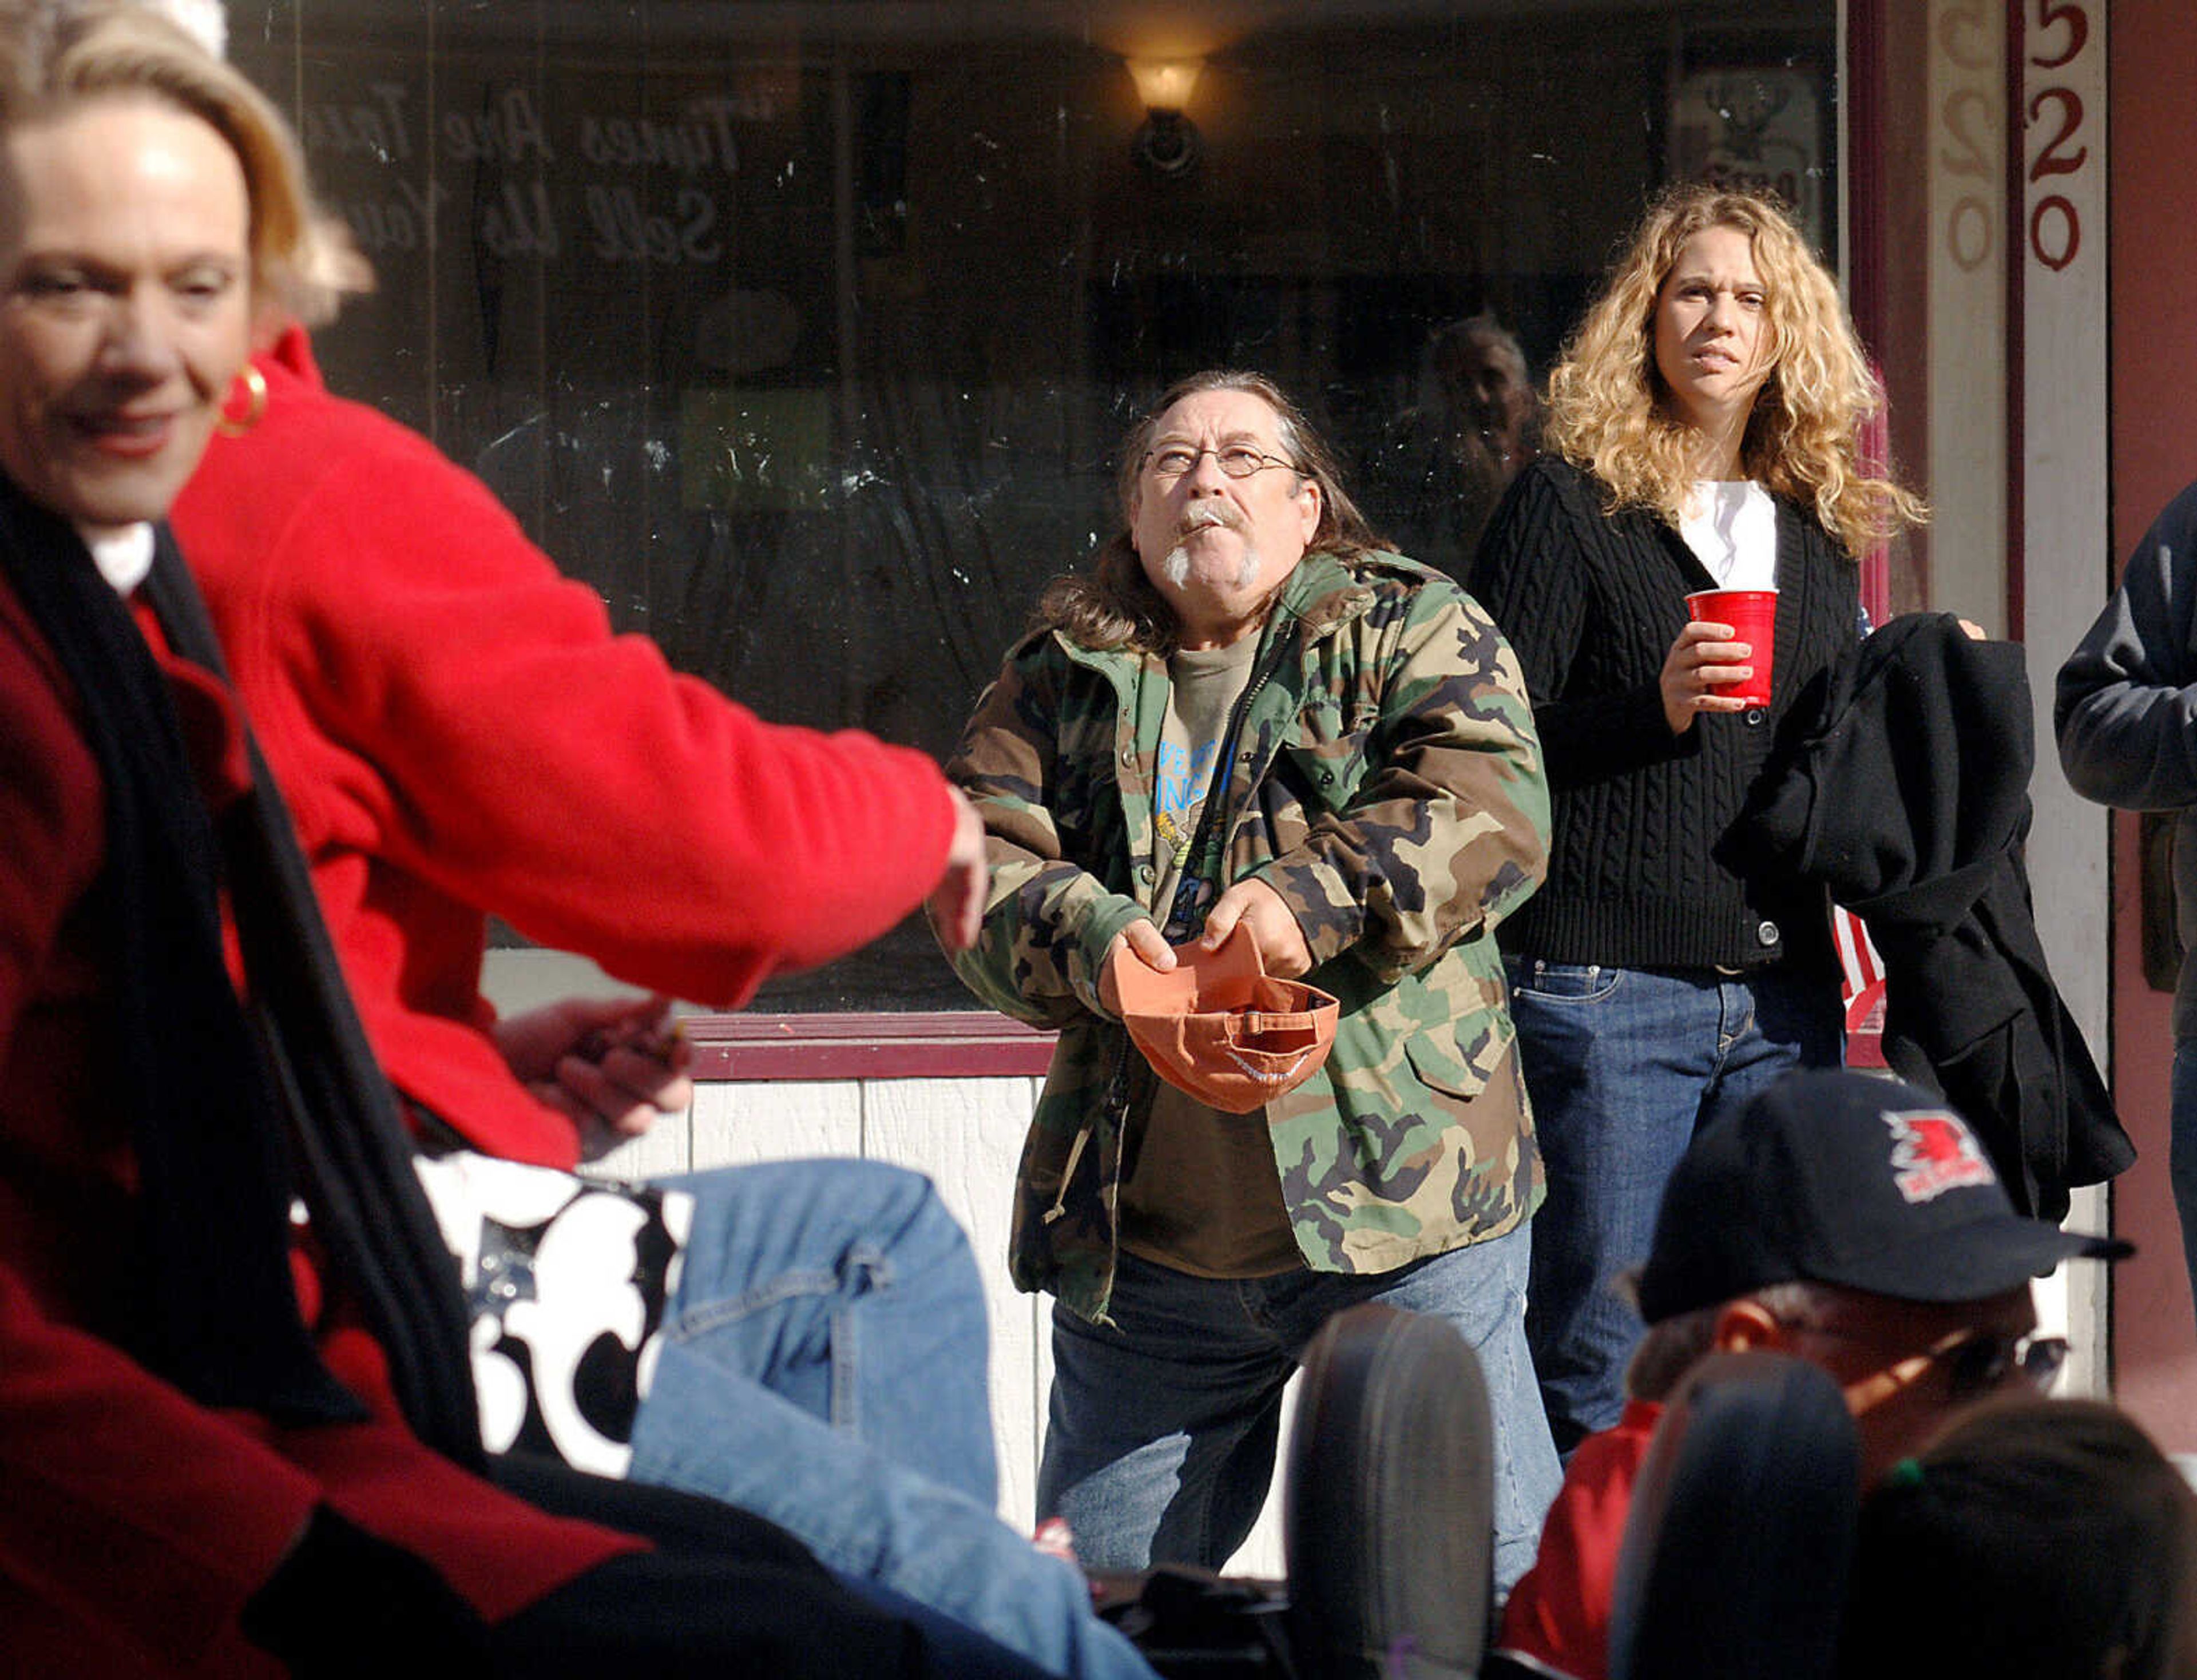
[804, 332]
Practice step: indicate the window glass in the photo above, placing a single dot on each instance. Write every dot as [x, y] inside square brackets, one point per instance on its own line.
[804, 332]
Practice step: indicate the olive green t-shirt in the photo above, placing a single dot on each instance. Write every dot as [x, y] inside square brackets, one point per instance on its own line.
[1201, 1192]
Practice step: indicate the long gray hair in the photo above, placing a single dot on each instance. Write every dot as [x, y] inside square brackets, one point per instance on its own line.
[1114, 606]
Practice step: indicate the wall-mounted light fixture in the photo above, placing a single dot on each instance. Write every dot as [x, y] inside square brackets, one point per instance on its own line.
[1167, 143]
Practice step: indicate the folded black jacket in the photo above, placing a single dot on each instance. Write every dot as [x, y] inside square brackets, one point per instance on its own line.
[1902, 787]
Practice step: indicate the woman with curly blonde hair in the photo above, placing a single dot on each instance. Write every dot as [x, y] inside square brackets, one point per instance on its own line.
[1700, 435]
[1607, 410]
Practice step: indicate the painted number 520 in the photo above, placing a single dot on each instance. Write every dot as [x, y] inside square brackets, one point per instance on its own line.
[2056, 229]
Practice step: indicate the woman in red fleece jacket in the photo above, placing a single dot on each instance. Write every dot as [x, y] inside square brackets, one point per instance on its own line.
[458, 733]
[195, 1482]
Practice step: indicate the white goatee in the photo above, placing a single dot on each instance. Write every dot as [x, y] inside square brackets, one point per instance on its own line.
[1176, 567]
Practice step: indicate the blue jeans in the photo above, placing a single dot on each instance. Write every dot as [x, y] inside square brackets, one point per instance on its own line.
[823, 1366]
[1623, 1066]
[1160, 1445]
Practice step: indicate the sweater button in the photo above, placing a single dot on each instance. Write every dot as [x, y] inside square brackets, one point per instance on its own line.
[1766, 933]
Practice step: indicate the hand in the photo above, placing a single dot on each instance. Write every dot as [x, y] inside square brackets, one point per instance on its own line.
[613, 1066]
[956, 902]
[1142, 938]
[1272, 925]
[1702, 658]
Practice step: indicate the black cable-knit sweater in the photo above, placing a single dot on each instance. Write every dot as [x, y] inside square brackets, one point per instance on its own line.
[1592, 603]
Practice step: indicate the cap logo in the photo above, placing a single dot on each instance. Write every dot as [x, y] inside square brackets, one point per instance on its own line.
[1933, 1151]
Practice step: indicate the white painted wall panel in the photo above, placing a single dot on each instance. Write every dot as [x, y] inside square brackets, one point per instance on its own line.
[732, 1123]
[2067, 549]
[966, 1135]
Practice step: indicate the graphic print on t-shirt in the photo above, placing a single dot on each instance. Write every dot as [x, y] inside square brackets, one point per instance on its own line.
[1184, 776]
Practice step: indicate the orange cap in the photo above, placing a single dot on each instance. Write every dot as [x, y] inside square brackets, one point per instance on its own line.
[1220, 1028]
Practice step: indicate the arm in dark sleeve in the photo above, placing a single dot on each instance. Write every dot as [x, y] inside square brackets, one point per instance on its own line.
[2125, 709]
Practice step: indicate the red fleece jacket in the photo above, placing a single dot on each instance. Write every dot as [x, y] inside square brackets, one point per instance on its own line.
[458, 734]
[1556, 1622]
[134, 1523]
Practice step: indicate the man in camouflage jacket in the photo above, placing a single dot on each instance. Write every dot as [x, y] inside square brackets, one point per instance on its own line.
[1378, 805]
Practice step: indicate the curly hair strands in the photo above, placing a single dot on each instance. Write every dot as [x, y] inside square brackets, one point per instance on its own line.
[1114, 606]
[1608, 408]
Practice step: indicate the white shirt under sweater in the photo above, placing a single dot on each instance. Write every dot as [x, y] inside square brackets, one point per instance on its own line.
[123, 557]
[1731, 526]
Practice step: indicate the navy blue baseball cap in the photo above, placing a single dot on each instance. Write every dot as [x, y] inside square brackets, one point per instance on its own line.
[1849, 1179]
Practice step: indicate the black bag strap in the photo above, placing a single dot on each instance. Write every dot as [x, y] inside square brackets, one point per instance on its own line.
[368, 1210]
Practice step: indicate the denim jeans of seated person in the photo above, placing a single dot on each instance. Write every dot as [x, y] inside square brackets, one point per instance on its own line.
[823, 1365]
[1161, 1442]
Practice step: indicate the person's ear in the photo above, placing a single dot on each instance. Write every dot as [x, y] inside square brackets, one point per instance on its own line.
[1309, 502]
[1746, 1326]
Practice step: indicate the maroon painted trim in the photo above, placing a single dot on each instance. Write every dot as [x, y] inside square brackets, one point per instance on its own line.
[1864, 188]
[956, 1045]
[2017, 324]
[763, 1049]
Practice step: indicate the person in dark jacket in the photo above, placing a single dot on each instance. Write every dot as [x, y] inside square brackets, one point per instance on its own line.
[1701, 435]
[2128, 737]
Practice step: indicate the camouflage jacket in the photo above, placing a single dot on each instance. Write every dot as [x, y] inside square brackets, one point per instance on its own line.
[1387, 784]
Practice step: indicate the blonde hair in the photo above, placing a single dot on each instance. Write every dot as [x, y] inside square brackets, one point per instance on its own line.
[1607, 412]
[301, 263]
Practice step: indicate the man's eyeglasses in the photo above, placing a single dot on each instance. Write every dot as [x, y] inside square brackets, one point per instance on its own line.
[1237, 460]
[1976, 1362]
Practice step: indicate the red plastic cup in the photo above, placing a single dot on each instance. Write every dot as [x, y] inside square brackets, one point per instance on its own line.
[1752, 615]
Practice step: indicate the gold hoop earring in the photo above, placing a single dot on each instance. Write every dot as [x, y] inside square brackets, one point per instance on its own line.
[255, 405]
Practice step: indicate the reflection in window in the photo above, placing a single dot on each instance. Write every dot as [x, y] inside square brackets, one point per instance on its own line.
[804, 332]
